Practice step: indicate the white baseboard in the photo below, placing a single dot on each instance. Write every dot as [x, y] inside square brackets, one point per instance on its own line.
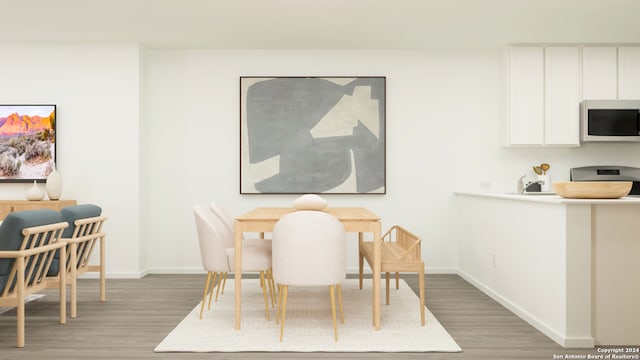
[567, 342]
[176, 270]
[427, 270]
[113, 275]
[199, 270]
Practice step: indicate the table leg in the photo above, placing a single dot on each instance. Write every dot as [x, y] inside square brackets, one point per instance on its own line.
[238, 270]
[377, 260]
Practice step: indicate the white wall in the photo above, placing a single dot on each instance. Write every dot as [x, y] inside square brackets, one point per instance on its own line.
[96, 90]
[444, 111]
[148, 134]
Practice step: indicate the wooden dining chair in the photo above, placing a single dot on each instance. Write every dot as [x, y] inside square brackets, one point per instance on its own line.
[401, 252]
[309, 250]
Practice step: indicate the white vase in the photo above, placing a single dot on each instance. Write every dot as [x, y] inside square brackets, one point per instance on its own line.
[545, 186]
[34, 192]
[54, 184]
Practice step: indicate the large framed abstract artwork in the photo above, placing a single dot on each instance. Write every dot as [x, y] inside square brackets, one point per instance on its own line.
[312, 135]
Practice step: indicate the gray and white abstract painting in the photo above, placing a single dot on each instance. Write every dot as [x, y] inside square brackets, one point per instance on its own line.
[312, 135]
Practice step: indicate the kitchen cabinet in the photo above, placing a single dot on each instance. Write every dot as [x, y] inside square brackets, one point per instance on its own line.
[562, 96]
[610, 73]
[600, 73]
[543, 96]
[629, 73]
[566, 266]
[526, 101]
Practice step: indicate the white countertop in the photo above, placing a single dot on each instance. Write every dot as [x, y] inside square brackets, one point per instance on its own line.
[552, 199]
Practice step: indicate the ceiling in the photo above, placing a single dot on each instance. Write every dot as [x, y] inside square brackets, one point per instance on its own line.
[321, 24]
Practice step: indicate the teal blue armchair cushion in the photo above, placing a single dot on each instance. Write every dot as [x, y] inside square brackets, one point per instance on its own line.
[11, 235]
[72, 213]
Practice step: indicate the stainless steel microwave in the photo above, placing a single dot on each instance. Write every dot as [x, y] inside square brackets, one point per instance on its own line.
[610, 120]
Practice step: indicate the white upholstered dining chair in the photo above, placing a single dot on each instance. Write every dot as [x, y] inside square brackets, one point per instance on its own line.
[218, 255]
[225, 217]
[309, 250]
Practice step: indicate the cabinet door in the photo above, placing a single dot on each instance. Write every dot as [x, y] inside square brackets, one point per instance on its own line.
[562, 96]
[526, 99]
[629, 73]
[599, 73]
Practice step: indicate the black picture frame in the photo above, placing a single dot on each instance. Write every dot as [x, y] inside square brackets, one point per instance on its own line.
[322, 135]
[27, 142]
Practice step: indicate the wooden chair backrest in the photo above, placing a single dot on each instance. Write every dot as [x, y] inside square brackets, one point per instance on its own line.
[34, 258]
[409, 242]
[86, 235]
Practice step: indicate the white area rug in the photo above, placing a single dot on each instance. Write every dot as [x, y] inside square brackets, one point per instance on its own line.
[28, 299]
[308, 324]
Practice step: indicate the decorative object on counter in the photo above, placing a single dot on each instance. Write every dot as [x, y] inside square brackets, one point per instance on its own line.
[54, 184]
[592, 189]
[545, 183]
[34, 192]
[544, 167]
[310, 202]
[543, 178]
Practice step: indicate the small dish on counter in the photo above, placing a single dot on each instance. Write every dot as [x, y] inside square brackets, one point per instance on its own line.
[592, 189]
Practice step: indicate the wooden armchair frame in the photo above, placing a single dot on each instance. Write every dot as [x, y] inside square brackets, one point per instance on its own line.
[80, 246]
[401, 252]
[28, 273]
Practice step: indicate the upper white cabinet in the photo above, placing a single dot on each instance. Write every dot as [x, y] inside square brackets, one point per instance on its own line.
[562, 96]
[629, 73]
[611, 73]
[526, 96]
[600, 73]
[543, 96]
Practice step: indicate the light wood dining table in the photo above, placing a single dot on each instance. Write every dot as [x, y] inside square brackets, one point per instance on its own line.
[354, 219]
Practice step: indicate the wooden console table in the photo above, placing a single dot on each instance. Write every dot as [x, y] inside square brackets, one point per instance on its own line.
[9, 206]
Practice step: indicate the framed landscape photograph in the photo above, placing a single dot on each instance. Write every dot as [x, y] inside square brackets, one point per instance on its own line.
[27, 142]
[317, 135]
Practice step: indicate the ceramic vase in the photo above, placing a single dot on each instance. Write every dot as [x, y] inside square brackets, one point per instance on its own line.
[35, 192]
[545, 186]
[54, 184]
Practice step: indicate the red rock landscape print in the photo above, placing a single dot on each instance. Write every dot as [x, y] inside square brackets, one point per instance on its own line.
[27, 142]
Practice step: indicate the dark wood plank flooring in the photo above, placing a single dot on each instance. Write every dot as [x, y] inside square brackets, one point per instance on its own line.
[138, 314]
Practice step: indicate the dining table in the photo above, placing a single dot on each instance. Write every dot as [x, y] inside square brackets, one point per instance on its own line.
[354, 219]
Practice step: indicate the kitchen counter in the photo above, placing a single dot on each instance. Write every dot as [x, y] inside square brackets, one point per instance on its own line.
[569, 267]
[553, 199]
